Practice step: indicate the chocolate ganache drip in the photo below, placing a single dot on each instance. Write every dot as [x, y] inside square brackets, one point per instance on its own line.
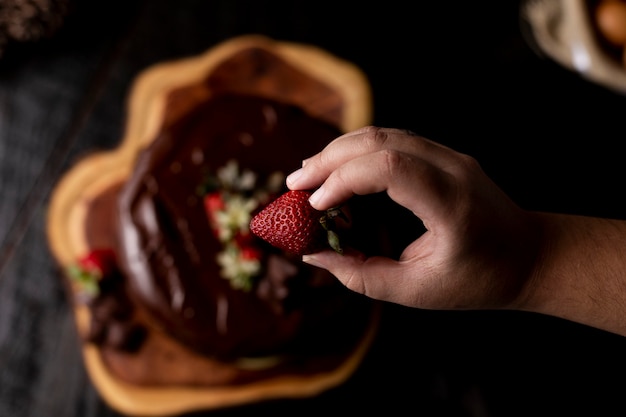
[167, 248]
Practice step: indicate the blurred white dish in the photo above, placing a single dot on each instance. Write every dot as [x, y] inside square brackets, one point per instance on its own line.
[562, 30]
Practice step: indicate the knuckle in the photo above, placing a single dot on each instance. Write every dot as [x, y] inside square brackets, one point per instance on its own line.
[353, 282]
[375, 137]
[394, 164]
[466, 164]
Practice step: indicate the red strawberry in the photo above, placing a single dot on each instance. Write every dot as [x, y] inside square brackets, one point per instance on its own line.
[290, 223]
[91, 268]
[99, 262]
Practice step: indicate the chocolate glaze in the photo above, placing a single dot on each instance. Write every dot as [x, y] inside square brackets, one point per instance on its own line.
[167, 250]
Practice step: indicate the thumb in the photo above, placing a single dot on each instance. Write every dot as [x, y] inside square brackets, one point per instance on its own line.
[376, 277]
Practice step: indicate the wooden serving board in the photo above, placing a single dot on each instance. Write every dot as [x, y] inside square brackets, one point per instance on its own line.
[324, 85]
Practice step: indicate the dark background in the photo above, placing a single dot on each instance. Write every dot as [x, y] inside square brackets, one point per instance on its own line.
[458, 72]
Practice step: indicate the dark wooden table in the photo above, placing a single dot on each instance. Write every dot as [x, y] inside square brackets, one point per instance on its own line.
[458, 72]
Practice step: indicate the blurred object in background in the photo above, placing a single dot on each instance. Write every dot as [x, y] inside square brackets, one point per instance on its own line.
[586, 36]
[609, 23]
[30, 20]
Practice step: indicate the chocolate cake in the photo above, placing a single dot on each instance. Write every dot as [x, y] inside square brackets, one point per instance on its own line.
[196, 312]
[166, 245]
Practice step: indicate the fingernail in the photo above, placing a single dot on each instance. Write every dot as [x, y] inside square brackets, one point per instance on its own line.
[312, 260]
[293, 177]
[317, 196]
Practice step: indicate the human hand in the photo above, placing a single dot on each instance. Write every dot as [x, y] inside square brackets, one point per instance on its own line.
[479, 247]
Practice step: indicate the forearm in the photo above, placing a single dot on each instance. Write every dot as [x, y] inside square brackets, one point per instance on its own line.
[581, 273]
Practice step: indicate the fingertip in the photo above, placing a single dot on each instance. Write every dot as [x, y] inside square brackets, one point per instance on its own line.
[329, 258]
[317, 196]
[292, 179]
[313, 260]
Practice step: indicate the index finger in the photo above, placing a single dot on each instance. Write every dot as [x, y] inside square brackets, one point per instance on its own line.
[410, 181]
[361, 142]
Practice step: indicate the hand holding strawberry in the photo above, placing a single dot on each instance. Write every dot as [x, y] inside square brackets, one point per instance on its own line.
[290, 223]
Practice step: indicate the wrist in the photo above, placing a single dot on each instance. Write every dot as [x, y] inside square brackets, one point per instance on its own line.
[577, 274]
